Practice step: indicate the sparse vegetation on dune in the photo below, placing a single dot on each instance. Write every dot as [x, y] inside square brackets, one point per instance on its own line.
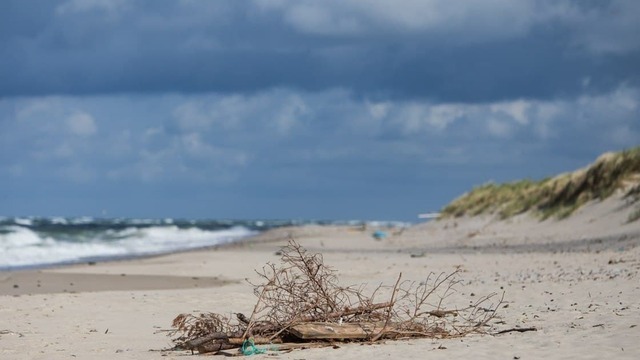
[556, 197]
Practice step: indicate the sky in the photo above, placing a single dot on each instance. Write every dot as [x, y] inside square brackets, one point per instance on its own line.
[300, 109]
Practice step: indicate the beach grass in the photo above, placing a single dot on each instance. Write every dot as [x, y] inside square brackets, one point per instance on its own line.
[558, 196]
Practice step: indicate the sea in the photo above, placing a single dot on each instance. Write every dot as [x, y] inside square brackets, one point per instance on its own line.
[37, 242]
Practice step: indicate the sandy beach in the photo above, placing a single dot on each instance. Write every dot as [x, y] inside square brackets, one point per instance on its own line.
[576, 281]
[463, 178]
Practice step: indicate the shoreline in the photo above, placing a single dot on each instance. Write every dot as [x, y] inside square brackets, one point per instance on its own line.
[136, 253]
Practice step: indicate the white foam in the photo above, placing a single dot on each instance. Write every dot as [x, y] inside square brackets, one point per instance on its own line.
[21, 247]
[59, 221]
[20, 237]
[23, 221]
[82, 220]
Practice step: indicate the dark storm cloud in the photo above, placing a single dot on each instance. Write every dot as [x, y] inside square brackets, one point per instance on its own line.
[413, 49]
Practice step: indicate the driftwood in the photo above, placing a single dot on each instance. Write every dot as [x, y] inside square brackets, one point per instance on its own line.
[192, 344]
[292, 346]
[516, 330]
[323, 330]
[223, 338]
[214, 346]
[442, 313]
[301, 300]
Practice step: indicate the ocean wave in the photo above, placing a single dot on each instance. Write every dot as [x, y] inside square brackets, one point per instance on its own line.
[23, 246]
[30, 242]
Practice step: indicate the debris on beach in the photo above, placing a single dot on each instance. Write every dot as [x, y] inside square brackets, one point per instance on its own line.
[379, 235]
[300, 304]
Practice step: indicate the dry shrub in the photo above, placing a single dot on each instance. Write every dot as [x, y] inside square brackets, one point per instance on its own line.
[302, 289]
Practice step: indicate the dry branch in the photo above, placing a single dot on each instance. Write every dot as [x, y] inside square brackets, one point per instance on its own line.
[516, 330]
[389, 309]
[350, 311]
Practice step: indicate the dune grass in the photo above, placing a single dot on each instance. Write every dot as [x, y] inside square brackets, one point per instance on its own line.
[555, 197]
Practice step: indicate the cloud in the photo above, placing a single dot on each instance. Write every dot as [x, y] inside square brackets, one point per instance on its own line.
[277, 112]
[290, 115]
[224, 138]
[317, 18]
[378, 110]
[587, 117]
[607, 27]
[109, 7]
[612, 27]
[499, 128]
[621, 105]
[194, 146]
[417, 117]
[440, 116]
[466, 21]
[515, 109]
[179, 158]
[81, 124]
[297, 147]
[463, 51]
[546, 114]
[36, 107]
[191, 116]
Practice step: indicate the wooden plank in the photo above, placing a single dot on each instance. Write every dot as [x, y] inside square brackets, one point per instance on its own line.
[323, 330]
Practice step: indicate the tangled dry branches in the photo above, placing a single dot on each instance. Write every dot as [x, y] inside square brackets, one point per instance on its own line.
[302, 292]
